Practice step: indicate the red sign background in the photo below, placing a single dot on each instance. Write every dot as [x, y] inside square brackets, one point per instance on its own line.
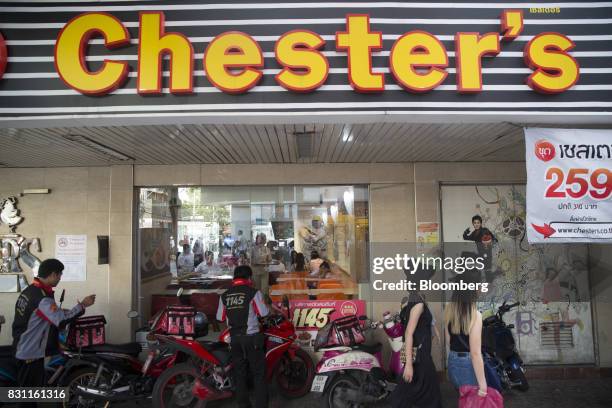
[308, 316]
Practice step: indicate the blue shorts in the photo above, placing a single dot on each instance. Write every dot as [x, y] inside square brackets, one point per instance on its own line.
[460, 369]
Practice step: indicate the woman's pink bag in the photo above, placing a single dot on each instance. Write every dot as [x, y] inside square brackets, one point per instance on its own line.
[469, 398]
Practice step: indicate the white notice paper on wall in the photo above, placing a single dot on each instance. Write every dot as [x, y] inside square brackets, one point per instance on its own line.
[71, 250]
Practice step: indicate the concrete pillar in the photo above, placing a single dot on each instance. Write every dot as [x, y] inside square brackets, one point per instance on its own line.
[120, 253]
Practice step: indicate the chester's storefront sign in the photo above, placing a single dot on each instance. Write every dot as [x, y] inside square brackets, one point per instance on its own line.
[233, 60]
[258, 58]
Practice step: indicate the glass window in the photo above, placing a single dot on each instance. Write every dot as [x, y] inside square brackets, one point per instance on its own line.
[302, 241]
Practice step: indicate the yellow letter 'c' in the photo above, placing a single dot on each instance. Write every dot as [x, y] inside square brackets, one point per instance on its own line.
[70, 53]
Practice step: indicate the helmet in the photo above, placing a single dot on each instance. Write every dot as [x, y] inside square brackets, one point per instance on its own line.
[201, 325]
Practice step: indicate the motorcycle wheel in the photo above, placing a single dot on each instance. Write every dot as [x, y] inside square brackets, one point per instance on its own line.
[173, 388]
[517, 376]
[294, 377]
[81, 377]
[335, 394]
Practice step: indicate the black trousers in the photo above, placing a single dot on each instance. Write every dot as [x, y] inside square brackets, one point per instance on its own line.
[31, 373]
[249, 357]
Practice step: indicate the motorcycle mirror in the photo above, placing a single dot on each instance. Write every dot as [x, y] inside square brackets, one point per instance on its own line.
[132, 314]
[404, 300]
[62, 296]
[362, 318]
[179, 293]
[285, 302]
[510, 326]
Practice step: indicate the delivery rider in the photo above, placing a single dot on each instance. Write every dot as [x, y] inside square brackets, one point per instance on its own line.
[36, 323]
[241, 305]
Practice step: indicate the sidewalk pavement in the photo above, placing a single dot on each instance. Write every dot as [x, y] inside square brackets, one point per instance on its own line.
[581, 393]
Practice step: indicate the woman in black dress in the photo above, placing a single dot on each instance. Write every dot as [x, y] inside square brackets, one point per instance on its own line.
[419, 385]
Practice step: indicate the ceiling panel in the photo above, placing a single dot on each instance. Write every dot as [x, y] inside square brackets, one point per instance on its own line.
[381, 142]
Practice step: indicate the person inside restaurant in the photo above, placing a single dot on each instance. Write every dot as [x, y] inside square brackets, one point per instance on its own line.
[185, 261]
[207, 266]
[315, 263]
[301, 241]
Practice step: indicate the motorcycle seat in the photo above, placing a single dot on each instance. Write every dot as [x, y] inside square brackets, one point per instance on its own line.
[132, 349]
[223, 356]
[368, 348]
[213, 345]
[7, 352]
[218, 349]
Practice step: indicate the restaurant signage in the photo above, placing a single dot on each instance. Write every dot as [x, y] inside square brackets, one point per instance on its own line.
[239, 57]
[569, 185]
[309, 316]
[233, 60]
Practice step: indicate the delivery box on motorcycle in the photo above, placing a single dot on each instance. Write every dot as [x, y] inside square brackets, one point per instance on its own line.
[87, 331]
[176, 320]
[345, 331]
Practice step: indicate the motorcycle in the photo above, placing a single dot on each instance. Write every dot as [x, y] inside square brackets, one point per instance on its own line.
[500, 346]
[54, 365]
[205, 373]
[8, 367]
[115, 373]
[354, 375]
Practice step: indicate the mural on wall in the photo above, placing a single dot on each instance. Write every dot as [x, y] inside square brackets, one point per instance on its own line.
[15, 247]
[553, 323]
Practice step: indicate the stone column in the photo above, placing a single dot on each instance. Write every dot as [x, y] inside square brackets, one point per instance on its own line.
[120, 285]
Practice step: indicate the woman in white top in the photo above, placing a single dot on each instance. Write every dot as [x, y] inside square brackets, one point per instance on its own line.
[315, 263]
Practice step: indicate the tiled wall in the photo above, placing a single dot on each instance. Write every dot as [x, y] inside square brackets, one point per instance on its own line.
[92, 201]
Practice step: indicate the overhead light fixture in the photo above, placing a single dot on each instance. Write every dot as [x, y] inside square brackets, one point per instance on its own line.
[176, 132]
[304, 142]
[324, 217]
[333, 209]
[35, 191]
[98, 147]
[349, 198]
[346, 135]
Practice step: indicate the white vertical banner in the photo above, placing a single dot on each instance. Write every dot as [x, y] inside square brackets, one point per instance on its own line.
[71, 250]
[569, 183]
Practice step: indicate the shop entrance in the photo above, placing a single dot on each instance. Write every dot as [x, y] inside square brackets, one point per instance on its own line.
[554, 322]
[306, 242]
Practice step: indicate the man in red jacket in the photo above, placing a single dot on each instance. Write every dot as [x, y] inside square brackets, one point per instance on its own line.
[37, 322]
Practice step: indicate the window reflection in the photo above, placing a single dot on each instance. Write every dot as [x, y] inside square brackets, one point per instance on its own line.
[308, 242]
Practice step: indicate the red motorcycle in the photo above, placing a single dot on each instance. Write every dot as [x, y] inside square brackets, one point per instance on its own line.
[102, 374]
[206, 374]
